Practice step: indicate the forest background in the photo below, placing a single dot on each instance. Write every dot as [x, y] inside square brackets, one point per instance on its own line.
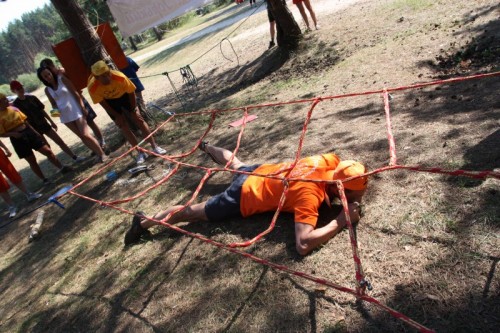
[29, 39]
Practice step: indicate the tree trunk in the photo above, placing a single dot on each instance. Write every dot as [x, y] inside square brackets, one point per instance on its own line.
[82, 31]
[158, 33]
[132, 43]
[288, 32]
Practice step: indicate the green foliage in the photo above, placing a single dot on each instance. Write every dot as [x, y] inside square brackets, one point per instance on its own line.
[30, 81]
[40, 56]
[5, 89]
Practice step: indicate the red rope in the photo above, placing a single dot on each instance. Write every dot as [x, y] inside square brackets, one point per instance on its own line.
[390, 137]
[360, 288]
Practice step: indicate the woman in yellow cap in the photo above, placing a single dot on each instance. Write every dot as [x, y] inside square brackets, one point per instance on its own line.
[248, 195]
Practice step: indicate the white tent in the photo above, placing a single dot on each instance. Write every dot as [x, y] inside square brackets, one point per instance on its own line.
[135, 16]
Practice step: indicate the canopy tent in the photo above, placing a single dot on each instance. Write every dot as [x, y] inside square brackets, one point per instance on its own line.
[135, 16]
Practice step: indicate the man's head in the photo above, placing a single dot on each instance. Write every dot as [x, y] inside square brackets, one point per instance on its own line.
[355, 188]
[17, 88]
[101, 72]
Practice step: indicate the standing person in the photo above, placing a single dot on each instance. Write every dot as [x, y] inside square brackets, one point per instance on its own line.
[248, 195]
[131, 72]
[34, 109]
[252, 3]
[300, 5]
[272, 23]
[116, 93]
[91, 115]
[63, 96]
[8, 170]
[25, 139]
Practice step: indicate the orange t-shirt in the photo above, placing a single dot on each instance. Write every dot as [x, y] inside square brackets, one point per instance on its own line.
[120, 85]
[10, 119]
[261, 194]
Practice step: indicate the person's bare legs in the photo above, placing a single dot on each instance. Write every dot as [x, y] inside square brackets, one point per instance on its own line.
[272, 30]
[97, 132]
[194, 213]
[35, 167]
[302, 11]
[80, 128]
[121, 122]
[47, 152]
[59, 141]
[222, 156]
[311, 12]
[143, 126]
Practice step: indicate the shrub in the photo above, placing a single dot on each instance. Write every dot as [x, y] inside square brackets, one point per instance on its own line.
[30, 81]
[5, 89]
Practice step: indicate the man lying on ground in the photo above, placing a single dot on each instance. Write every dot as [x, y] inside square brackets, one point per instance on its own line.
[249, 195]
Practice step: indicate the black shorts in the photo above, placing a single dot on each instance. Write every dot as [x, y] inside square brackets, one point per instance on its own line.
[270, 15]
[29, 141]
[91, 115]
[227, 204]
[120, 104]
[42, 128]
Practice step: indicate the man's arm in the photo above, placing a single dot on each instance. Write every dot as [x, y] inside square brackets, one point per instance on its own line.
[307, 238]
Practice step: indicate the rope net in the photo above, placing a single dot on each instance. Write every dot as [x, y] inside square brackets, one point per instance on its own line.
[178, 163]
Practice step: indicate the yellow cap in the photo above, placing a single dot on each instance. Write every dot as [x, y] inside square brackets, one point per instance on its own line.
[348, 169]
[99, 68]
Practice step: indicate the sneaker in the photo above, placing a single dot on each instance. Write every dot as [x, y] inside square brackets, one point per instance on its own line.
[159, 150]
[141, 158]
[78, 159]
[271, 44]
[65, 169]
[33, 196]
[135, 232]
[317, 26]
[12, 211]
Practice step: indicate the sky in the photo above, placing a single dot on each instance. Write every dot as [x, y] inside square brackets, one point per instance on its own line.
[13, 9]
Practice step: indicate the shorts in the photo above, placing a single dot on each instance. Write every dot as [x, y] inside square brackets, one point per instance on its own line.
[42, 128]
[119, 104]
[227, 204]
[270, 15]
[91, 115]
[29, 141]
[297, 1]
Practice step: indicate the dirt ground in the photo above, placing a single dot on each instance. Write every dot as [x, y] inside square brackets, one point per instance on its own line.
[429, 243]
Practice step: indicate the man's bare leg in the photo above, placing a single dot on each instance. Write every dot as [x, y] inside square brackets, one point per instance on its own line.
[222, 156]
[194, 213]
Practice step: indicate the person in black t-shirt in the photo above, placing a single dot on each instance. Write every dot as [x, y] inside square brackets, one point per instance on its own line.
[38, 118]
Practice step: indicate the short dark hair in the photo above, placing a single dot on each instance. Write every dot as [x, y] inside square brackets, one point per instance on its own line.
[47, 62]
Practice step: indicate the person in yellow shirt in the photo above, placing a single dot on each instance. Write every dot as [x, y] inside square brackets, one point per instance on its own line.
[116, 93]
[249, 195]
[24, 139]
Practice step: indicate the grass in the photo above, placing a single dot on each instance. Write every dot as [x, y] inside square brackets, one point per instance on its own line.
[424, 241]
